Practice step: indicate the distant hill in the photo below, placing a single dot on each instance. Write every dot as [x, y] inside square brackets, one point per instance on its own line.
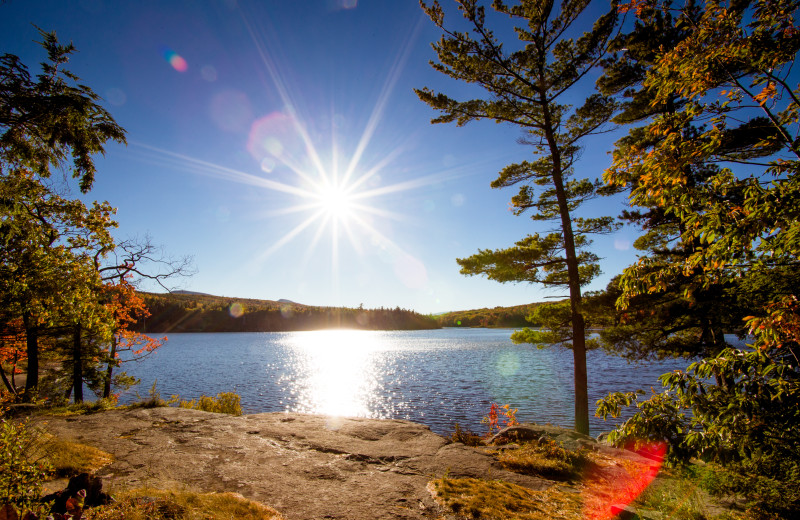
[186, 311]
[511, 317]
[181, 291]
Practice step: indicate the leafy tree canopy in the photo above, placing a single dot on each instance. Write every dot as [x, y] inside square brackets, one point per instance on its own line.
[712, 169]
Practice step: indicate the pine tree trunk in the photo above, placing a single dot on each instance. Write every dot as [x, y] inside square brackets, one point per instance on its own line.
[77, 365]
[32, 352]
[573, 275]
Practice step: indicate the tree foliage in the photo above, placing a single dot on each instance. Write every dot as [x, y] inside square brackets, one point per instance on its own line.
[507, 317]
[206, 313]
[63, 278]
[712, 169]
[527, 83]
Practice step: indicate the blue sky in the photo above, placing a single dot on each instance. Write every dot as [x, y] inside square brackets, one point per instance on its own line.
[242, 119]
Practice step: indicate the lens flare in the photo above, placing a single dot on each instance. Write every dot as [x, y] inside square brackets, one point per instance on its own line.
[276, 138]
[236, 310]
[231, 111]
[611, 489]
[335, 185]
[174, 59]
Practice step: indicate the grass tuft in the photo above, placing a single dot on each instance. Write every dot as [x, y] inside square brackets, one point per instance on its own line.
[466, 436]
[84, 408]
[224, 402]
[494, 499]
[69, 458]
[544, 458]
[156, 504]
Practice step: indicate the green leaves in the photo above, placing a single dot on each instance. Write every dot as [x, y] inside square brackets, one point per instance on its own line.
[712, 170]
[51, 247]
[21, 472]
[534, 259]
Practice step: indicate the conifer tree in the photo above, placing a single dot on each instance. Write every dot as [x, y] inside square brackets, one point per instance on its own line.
[526, 83]
[46, 121]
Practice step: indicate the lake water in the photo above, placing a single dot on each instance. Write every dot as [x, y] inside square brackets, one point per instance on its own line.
[435, 377]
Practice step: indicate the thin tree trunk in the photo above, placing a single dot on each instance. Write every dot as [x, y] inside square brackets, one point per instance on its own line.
[6, 382]
[32, 352]
[110, 370]
[77, 365]
[573, 274]
[11, 385]
[14, 372]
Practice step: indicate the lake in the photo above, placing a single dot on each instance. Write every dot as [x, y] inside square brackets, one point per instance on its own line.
[435, 377]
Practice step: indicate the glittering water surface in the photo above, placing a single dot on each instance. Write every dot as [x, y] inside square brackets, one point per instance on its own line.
[436, 377]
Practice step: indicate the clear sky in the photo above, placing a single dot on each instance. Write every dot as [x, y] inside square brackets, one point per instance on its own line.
[280, 144]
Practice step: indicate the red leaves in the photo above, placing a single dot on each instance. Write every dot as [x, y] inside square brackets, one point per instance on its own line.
[497, 413]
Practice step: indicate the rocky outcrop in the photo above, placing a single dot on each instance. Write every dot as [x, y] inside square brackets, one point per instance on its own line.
[305, 466]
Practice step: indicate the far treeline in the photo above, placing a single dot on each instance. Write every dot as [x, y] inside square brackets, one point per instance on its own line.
[517, 316]
[176, 312]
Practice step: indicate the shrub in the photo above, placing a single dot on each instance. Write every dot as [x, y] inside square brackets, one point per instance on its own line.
[224, 402]
[21, 474]
[768, 496]
[465, 436]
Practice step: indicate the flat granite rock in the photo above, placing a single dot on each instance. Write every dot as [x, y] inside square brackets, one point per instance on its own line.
[305, 466]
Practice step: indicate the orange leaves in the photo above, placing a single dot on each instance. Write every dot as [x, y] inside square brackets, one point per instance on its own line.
[123, 302]
[497, 413]
[12, 344]
[637, 6]
[766, 94]
[780, 327]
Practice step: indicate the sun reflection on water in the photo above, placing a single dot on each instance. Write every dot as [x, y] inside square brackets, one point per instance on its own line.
[342, 372]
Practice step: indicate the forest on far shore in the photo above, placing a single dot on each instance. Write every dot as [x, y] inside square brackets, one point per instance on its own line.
[176, 312]
[499, 317]
[197, 312]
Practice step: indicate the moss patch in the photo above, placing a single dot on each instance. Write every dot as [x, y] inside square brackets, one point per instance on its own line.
[494, 499]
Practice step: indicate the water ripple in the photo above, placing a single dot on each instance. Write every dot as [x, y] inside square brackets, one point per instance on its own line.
[437, 377]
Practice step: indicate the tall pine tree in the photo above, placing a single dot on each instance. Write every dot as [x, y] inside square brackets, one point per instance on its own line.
[526, 83]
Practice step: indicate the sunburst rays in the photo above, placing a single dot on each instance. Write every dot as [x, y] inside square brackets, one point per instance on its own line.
[330, 192]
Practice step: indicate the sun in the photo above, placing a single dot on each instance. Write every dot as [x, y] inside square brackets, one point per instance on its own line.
[335, 201]
[333, 187]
